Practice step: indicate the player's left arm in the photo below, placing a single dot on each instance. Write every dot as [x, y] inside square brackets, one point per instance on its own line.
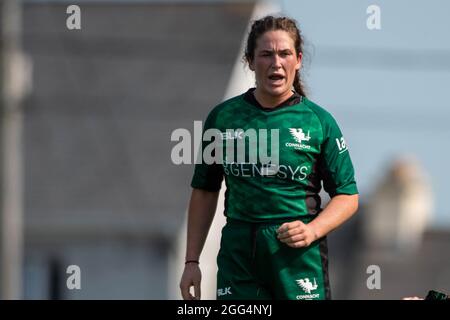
[297, 234]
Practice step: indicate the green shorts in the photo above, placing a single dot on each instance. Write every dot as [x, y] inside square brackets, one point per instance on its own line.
[254, 264]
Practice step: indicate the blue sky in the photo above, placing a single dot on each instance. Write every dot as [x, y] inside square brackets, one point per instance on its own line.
[387, 88]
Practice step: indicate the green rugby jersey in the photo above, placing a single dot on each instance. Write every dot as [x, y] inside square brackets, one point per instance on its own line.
[312, 151]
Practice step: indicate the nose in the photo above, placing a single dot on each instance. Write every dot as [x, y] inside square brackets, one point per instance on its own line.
[276, 62]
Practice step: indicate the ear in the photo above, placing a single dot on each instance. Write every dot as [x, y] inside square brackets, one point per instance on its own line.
[299, 61]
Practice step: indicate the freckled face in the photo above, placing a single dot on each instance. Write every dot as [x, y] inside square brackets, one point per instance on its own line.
[275, 63]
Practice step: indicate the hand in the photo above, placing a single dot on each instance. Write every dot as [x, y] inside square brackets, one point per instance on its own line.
[192, 276]
[296, 234]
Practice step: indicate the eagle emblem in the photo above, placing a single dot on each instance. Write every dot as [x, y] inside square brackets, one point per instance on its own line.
[306, 285]
[299, 135]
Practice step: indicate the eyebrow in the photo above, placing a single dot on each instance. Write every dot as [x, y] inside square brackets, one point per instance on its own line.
[272, 51]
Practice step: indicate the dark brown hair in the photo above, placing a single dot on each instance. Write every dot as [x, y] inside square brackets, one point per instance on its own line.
[271, 23]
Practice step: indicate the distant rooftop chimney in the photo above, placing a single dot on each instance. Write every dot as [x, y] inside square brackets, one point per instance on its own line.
[400, 207]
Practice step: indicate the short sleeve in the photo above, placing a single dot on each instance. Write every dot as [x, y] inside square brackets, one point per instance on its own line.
[335, 163]
[207, 176]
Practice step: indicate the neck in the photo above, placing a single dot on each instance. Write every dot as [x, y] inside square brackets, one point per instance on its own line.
[269, 101]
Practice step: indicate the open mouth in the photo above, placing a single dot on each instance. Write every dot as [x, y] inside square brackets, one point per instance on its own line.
[276, 80]
[276, 77]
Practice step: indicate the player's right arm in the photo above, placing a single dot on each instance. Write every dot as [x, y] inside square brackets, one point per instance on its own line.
[202, 207]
